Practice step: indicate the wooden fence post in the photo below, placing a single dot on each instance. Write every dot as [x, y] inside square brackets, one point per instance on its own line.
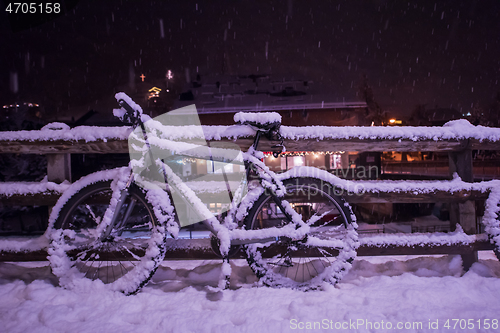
[464, 213]
[58, 167]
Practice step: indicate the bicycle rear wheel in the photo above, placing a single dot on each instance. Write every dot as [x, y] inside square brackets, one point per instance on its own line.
[326, 254]
[125, 260]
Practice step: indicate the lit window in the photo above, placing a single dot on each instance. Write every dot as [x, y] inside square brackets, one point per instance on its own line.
[298, 160]
[335, 161]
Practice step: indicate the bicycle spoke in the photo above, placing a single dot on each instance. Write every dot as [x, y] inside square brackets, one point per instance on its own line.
[309, 272]
[122, 268]
[113, 271]
[297, 270]
[89, 267]
[97, 270]
[94, 217]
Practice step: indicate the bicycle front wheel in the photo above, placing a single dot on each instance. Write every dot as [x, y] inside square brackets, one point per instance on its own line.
[327, 252]
[125, 260]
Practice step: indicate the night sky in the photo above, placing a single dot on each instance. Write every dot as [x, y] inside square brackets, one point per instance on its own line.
[444, 54]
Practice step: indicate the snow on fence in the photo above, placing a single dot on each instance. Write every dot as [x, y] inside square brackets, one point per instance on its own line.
[458, 138]
[454, 136]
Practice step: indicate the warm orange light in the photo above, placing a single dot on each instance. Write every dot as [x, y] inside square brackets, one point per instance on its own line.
[392, 121]
[154, 92]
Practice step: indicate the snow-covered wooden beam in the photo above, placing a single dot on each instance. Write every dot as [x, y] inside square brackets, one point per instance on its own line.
[454, 136]
[30, 193]
[44, 147]
[48, 197]
[111, 146]
[205, 252]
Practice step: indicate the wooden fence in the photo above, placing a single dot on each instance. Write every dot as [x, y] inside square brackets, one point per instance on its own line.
[460, 161]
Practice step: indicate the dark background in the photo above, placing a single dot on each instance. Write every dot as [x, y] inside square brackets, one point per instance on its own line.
[443, 54]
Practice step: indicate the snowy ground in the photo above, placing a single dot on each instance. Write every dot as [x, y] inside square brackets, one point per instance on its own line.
[379, 292]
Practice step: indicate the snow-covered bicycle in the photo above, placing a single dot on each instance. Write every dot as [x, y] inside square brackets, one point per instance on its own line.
[112, 226]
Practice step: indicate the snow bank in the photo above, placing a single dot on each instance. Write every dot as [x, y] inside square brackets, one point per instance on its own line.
[390, 289]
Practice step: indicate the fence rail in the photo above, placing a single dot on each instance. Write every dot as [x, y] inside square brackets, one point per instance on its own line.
[481, 169]
[204, 252]
[49, 198]
[111, 145]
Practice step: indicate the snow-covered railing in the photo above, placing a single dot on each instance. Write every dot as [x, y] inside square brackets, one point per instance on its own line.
[35, 249]
[46, 193]
[43, 193]
[458, 138]
[454, 136]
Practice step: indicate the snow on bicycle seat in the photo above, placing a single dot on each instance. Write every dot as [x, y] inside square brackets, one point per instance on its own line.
[261, 120]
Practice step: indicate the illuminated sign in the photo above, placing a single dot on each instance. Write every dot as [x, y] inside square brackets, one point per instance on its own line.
[154, 92]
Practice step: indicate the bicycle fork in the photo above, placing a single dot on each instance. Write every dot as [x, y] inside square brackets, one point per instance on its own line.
[119, 224]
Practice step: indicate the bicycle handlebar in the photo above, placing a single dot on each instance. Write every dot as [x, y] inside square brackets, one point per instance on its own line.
[131, 115]
[128, 108]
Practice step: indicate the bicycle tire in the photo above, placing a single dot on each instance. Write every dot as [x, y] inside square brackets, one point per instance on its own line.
[124, 262]
[304, 265]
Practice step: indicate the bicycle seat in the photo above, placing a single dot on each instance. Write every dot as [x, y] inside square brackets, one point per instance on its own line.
[262, 120]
